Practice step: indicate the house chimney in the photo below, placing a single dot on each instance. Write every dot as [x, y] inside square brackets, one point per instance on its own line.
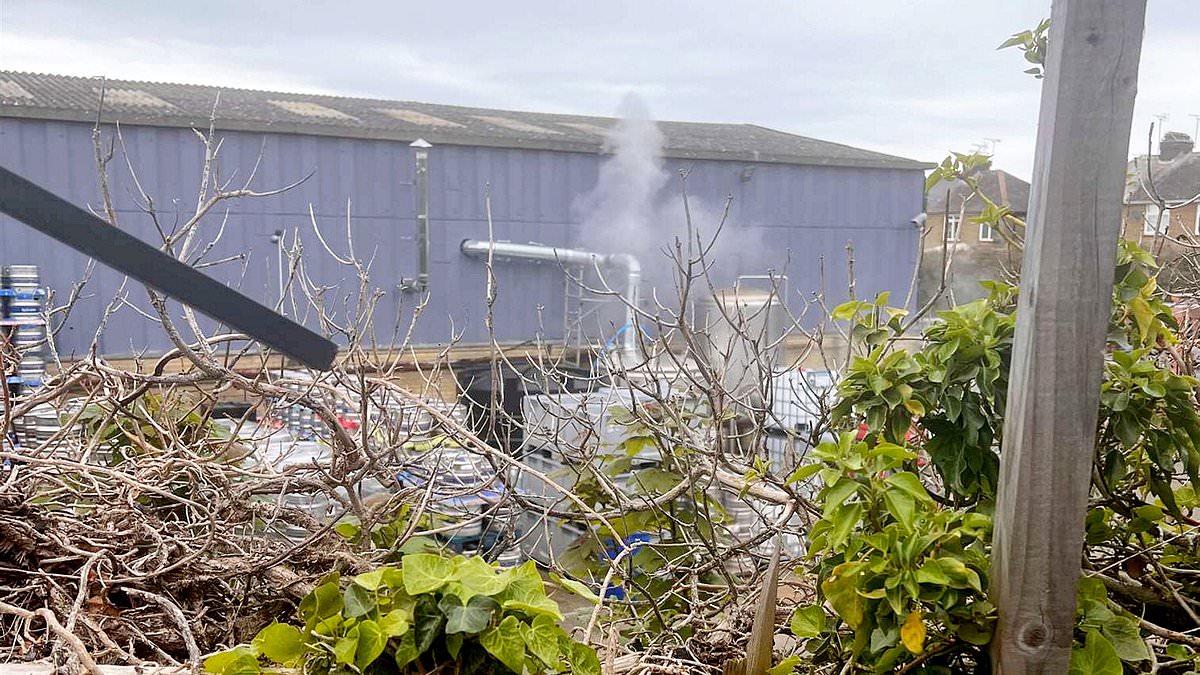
[1174, 144]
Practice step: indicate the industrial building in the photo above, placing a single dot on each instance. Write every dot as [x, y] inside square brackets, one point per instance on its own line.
[801, 200]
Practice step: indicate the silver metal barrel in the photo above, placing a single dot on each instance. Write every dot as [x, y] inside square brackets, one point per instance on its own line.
[20, 277]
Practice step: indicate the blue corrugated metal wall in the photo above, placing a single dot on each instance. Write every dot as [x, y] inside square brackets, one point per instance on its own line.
[784, 216]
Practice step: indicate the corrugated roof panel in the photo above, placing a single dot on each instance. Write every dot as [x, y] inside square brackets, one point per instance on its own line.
[418, 118]
[586, 127]
[132, 98]
[515, 125]
[310, 109]
[12, 90]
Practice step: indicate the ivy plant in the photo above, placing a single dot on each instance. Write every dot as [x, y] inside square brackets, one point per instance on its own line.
[424, 612]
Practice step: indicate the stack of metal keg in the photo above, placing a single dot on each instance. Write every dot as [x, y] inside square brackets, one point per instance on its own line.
[416, 421]
[24, 328]
[303, 423]
[24, 322]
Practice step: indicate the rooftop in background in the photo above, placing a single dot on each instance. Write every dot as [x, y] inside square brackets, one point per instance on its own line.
[1174, 174]
[999, 186]
[64, 97]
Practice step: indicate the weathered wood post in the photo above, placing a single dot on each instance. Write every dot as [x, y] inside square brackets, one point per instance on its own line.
[1066, 294]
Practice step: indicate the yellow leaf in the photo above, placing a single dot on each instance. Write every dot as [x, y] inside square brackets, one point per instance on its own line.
[915, 407]
[1143, 316]
[912, 633]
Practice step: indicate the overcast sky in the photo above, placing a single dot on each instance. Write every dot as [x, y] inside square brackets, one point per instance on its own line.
[911, 77]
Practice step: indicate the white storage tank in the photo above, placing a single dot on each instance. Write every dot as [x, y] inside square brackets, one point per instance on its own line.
[740, 332]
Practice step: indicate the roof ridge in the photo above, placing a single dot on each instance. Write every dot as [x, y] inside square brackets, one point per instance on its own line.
[368, 99]
[818, 140]
[68, 97]
[1012, 176]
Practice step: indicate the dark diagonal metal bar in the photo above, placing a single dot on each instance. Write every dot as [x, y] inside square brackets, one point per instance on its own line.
[55, 217]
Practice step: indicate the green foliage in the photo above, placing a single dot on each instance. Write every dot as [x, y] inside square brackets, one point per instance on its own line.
[1032, 44]
[650, 462]
[955, 388]
[387, 536]
[411, 617]
[964, 168]
[1108, 629]
[1096, 657]
[150, 424]
[901, 572]
[1141, 317]
[901, 556]
[958, 166]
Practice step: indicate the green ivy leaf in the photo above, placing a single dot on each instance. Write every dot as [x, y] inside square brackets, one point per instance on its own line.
[396, 622]
[371, 580]
[1091, 589]
[418, 545]
[371, 642]
[324, 601]
[358, 601]
[526, 592]
[428, 621]
[477, 577]
[280, 642]
[541, 637]
[346, 646]
[241, 660]
[406, 650]
[808, 621]
[349, 531]
[583, 660]
[506, 644]
[1179, 652]
[1095, 657]
[576, 587]
[454, 643]
[1126, 639]
[470, 618]
[426, 572]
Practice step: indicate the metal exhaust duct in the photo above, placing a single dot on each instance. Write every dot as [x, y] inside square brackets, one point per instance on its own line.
[631, 353]
[421, 184]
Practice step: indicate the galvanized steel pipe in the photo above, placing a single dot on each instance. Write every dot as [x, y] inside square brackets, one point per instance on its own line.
[503, 250]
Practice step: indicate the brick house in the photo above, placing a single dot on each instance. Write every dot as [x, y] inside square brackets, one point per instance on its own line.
[976, 252]
[1162, 195]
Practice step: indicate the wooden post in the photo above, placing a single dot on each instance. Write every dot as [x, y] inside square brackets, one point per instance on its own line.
[1066, 295]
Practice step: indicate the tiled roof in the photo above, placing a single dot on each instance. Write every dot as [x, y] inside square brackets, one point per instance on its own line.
[1173, 181]
[999, 186]
[165, 104]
